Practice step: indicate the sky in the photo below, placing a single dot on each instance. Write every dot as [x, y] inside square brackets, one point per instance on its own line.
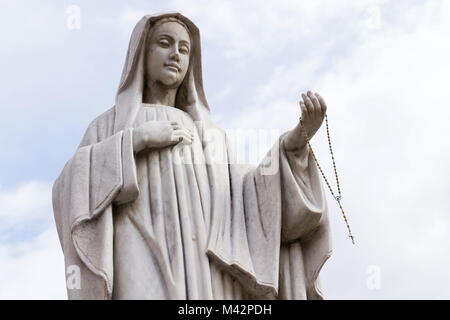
[382, 67]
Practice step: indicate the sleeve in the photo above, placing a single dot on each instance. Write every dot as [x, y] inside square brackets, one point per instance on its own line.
[303, 198]
[129, 190]
[275, 238]
[292, 180]
[305, 233]
[96, 177]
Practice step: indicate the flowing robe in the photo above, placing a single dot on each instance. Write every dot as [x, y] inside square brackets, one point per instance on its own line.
[165, 224]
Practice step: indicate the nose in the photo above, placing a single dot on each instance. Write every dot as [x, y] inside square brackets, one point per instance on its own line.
[175, 55]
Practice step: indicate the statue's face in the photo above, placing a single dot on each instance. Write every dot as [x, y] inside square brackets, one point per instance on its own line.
[168, 54]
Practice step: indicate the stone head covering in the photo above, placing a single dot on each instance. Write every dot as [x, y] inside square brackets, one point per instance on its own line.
[190, 97]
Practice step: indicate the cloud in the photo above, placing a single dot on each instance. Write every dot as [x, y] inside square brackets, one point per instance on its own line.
[253, 30]
[33, 269]
[25, 201]
[32, 263]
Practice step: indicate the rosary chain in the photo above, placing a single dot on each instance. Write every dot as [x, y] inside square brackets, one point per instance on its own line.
[336, 197]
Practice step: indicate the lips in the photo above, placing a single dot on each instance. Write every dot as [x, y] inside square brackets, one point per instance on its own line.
[173, 66]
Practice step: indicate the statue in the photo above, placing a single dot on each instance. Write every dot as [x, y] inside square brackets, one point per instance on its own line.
[139, 221]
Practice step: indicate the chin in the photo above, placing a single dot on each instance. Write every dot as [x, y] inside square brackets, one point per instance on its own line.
[171, 81]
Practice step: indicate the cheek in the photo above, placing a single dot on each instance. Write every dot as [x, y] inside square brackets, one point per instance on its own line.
[184, 63]
[158, 55]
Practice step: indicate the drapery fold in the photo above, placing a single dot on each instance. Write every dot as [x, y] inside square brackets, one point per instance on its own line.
[272, 235]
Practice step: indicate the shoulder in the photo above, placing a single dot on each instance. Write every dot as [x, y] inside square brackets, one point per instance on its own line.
[103, 119]
[100, 128]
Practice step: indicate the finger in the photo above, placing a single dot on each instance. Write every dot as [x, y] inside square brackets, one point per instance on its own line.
[302, 102]
[316, 104]
[309, 105]
[183, 135]
[181, 132]
[187, 139]
[188, 136]
[322, 104]
[181, 138]
[303, 108]
[187, 131]
[175, 137]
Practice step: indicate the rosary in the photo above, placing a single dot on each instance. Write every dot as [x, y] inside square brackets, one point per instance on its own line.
[338, 196]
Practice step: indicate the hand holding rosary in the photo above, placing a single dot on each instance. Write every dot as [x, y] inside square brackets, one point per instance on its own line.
[314, 108]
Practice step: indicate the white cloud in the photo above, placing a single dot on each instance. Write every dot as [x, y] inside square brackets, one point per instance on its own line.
[32, 266]
[124, 21]
[251, 30]
[26, 201]
[33, 269]
[23, 26]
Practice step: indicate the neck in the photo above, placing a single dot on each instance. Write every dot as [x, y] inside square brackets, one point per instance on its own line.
[156, 93]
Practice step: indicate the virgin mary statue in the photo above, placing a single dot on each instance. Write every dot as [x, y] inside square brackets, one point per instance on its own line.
[152, 205]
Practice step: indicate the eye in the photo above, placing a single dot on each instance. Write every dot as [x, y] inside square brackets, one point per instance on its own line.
[184, 50]
[164, 43]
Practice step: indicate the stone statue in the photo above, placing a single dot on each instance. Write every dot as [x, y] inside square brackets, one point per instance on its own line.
[139, 221]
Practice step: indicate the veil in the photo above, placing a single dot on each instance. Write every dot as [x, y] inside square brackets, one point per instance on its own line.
[190, 96]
